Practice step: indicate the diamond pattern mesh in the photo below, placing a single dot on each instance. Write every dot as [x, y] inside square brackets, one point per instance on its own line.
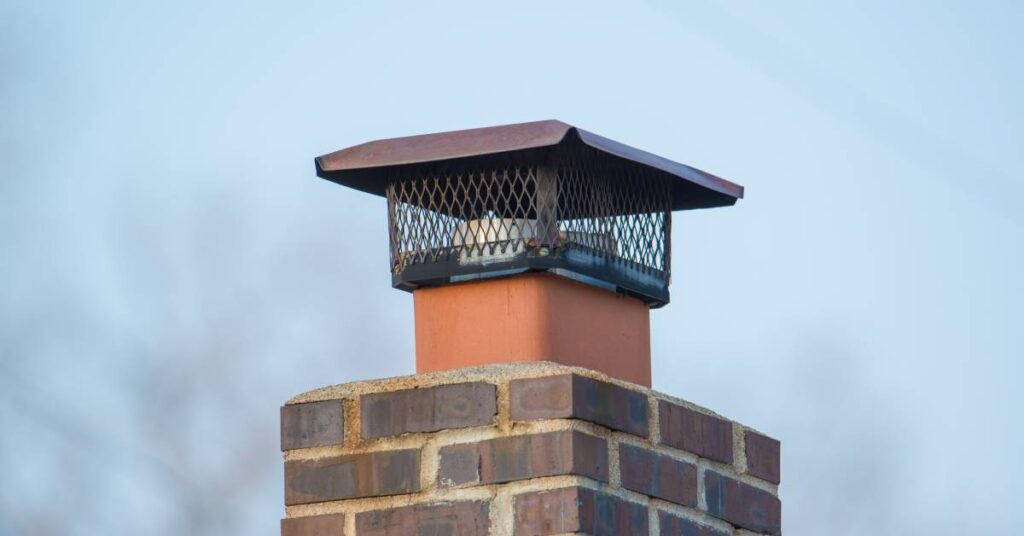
[582, 201]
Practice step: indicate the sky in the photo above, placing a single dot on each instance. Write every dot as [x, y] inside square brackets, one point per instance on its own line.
[171, 270]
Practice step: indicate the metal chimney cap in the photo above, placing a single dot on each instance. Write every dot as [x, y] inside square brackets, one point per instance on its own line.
[365, 167]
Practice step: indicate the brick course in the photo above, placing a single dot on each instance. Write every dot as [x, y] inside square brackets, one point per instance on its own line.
[578, 397]
[327, 525]
[704, 435]
[430, 409]
[467, 518]
[577, 509]
[522, 457]
[645, 471]
[459, 464]
[673, 525]
[356, 475]
[741, 504]
[315, 424]
[762, 456]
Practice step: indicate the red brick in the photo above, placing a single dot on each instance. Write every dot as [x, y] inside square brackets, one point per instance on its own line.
[762, 456]
[506, 459]
[314, 424]
[577, 509]
[429, 409]
[327, 525]
[369, 474]
[741, 504]
[571, 396]
[704, 435]
[645, 471]
[469, 518]
[673, 525]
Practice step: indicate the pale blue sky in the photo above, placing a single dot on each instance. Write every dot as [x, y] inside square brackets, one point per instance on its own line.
[173, 271]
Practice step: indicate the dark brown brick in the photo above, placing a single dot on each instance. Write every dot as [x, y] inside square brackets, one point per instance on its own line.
[468, 518]
[314, 424]
[576, 509]
[570, 396]
[369, 474]
[645, 471]
[741, 504]
[762, 456]
[429, 409]
[506, 459]
[460, 464]
[328, 525]
[673, 525]
[704, 435]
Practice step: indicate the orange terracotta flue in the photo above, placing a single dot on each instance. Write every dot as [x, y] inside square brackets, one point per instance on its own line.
[532, 317]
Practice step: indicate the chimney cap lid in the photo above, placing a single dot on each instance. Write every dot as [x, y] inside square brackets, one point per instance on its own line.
[364, 166]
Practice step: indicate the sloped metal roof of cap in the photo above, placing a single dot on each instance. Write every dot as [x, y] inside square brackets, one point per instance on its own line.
[366, 166]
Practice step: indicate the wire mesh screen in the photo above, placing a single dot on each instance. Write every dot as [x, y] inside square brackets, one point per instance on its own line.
[489, 213]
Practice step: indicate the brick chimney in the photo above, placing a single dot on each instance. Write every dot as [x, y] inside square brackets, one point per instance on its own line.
[534, 253]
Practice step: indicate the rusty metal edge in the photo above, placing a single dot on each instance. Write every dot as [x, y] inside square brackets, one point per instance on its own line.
[445, 146]
[496, 140]
[672, 167]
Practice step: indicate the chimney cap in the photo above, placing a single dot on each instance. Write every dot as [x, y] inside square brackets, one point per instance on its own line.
[365, 166]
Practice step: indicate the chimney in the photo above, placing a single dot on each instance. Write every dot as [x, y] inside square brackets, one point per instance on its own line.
[534, 253]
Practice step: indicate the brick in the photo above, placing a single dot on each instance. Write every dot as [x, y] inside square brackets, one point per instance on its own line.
[762, 456]
[673, 525]
[577, 509]
[328, 525]
[506, 459]
[741, 504]
[371, 474]
[571, 396]
[469, 518]
[314, 424]
[460, 464]
[645, 471]
[704, 435]
[429, 409]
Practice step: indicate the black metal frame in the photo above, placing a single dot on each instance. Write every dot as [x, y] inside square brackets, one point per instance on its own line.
[578, 212]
